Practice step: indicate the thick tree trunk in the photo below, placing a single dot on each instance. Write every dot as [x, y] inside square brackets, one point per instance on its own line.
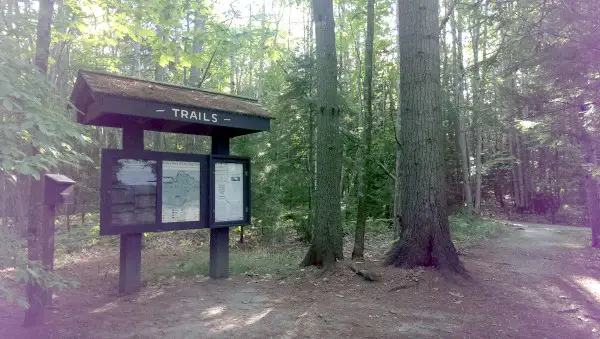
[326, 246]
[365, 148]
[35, 242]
[459, 100]
[425, 232]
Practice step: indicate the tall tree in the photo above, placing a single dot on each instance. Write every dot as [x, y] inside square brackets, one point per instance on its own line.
[477, 95]
[425, 232]
[326, 245]
[35, 292]
[365, 148]
[459, 73]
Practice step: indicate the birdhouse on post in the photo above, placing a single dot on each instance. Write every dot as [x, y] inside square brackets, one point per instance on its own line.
[58, 189]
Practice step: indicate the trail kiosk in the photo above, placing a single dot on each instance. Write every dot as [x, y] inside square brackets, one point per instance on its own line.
[146, 191]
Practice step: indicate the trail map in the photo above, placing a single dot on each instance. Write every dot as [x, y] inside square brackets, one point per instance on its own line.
[180, 191]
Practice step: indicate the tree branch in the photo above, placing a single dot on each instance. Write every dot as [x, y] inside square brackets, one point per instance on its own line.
[212, 56]
[447, 16]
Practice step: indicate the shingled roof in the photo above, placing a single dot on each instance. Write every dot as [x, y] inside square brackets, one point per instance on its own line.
[100, 82]
[112, 100]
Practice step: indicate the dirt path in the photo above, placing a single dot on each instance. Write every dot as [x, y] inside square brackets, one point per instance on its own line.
[537, 281]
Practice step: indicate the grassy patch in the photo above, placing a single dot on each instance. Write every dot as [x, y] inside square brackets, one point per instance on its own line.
[468, 231]
[274, 261]
[81, 238]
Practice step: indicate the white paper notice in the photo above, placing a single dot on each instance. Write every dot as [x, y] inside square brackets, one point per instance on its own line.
[229, 192]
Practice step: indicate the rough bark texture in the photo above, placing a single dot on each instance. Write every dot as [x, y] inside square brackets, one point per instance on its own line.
[326, 246]
[365, 149]
[459, 74]
[397, 187]
[35, 243]
[425, 232]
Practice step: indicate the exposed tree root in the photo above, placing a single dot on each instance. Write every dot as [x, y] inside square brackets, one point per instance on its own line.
[410, 255]
[366, 274]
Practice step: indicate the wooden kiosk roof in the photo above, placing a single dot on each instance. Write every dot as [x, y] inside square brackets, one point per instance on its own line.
[104, 99]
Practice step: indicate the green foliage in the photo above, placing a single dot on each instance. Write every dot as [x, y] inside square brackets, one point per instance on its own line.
[468, 231]
[275, 261]
[20, 270]
[33, 116]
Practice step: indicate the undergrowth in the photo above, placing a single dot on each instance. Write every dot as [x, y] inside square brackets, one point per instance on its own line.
[468, 231]
[280, 262]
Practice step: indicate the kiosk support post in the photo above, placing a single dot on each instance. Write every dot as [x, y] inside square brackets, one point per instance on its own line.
[219, 237]
[130, 253]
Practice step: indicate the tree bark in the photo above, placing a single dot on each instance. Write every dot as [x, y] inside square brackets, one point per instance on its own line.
[365, 148]
[326, 245]
[477, 94]
[425, 232]
[397, 125]
[159, 74]
[589, 151]
[35, 242]
[459, 100]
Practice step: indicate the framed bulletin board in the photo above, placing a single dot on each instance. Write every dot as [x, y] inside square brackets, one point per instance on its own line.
[145, 191]
[230, 189]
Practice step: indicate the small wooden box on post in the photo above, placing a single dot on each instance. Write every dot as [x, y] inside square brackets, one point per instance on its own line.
[58, 190]
[145, 191]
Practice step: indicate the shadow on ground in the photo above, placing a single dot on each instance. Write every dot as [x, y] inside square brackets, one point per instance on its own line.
[537, 281]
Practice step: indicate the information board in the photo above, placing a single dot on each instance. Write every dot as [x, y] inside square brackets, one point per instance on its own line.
[133, 192]
[146, 191]
[229, 191]
[180, 191]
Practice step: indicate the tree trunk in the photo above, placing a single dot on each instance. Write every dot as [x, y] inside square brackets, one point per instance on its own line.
[397, 125]
[326, 245]
[425, 231]
[459, 100]
[197, 47]
[159, 75]
[477, 94]
[35, 293]
[365, 148]
[589, 151]
[232, 73]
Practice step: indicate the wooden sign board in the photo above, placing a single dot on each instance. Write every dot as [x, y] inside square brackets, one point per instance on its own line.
[145, 191]
[230, 198]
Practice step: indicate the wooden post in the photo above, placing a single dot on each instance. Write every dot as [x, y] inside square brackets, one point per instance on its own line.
[219, 237]
[48, 227]
[130, 252]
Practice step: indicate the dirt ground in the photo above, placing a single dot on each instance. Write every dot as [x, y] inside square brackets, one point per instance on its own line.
[537, 281]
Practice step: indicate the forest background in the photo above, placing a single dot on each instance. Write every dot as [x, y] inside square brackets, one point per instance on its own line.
[519, 87]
